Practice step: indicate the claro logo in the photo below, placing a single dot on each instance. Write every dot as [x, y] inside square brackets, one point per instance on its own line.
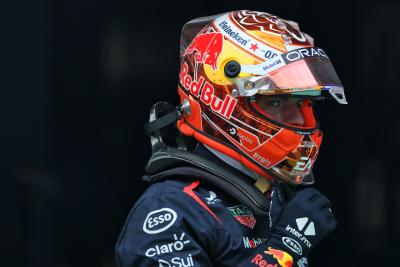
[174, 246]
[160, 220]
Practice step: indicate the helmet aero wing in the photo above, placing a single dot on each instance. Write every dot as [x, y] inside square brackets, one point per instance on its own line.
[231, 65]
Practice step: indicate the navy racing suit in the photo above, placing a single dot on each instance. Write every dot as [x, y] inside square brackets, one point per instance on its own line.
[181, 222]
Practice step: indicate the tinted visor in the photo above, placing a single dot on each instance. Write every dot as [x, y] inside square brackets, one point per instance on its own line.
[289, 111]
[301, 70]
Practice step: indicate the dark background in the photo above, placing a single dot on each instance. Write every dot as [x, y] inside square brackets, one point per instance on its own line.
[77, 81]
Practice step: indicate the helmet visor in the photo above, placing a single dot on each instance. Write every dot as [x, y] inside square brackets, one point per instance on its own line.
[296, 72]
[293, 112]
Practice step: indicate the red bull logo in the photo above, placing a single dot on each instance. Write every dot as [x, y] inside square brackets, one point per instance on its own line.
[284, 259]
[208, 46]
[259, 261]
[203, 90]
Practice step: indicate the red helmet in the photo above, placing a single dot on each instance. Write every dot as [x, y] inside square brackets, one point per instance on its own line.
[231, 60]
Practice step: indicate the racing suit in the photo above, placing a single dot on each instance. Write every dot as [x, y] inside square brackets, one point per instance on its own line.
[189, 222]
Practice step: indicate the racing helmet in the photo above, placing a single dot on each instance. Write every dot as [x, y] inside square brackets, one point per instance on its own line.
[228, 62]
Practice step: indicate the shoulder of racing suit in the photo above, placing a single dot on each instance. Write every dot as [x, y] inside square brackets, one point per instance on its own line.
[173, 162]
[163, 228]
[177, 222]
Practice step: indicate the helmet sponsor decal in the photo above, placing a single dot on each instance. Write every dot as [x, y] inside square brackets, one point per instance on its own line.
[160, 220]
[254, 154]
[298, 164]
[208, 46]
[203, 90]
[243, 215]
[303, 53]
[271, 24]
[247, 139]
[279, 61]
[262, 160]
[234, 33]
[303, 166]
[175, 246]
[243, 40]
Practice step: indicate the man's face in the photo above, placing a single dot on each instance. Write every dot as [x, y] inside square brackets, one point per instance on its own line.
[284, 110]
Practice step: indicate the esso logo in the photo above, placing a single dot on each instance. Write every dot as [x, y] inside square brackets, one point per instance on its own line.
[160, 220]
[292, 245]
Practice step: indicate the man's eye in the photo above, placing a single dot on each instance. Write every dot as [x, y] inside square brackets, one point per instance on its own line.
[300, 103]
[274, 103]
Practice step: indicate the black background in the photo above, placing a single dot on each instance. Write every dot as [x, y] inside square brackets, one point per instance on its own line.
[77, 81]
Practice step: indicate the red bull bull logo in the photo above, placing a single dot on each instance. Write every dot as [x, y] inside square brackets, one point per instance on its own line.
[208, 46]
[284, 259]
